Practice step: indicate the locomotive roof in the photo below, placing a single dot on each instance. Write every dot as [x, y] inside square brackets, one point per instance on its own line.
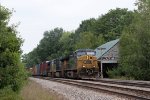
[83, 50]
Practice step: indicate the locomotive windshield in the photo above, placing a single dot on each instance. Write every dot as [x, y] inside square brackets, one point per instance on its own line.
[93, 53]
[80, 53]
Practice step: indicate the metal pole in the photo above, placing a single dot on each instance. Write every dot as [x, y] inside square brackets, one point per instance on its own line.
[101, 70]
[101, 60]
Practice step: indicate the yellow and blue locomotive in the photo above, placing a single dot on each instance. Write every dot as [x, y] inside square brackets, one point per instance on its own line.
[81, 64]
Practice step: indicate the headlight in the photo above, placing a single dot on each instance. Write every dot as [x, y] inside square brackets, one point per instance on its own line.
[83, 66]
[93, 66]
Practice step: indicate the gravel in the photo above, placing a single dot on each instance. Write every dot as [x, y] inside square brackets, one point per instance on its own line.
[75, 93]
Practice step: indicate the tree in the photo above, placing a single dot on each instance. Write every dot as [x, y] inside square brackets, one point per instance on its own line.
[66, 43]
[89, 40]
[103, 29]
[12, 73]
[48, 48]
[135, 45]
[112, 24]
[49, 45]
[86, 25]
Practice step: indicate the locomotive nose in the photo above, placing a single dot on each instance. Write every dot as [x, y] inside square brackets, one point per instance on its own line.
[89, 71]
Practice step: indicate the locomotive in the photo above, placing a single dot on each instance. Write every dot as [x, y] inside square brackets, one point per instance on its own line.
[80, 64]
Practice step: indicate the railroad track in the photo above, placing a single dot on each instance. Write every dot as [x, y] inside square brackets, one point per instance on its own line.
[143, 84]
[131, 92]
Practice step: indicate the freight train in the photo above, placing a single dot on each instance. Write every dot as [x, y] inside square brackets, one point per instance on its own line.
[80, 64]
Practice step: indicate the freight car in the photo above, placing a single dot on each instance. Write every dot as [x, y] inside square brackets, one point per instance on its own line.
[80, 64]
[44, 68]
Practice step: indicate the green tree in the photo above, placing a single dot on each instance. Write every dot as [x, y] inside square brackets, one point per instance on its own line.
[135, 45]
[112, 24]
[103, 29]
[30, 59]
[89, 40]
[86, 25]
[12, 73]
[66, 43]
[48, 48]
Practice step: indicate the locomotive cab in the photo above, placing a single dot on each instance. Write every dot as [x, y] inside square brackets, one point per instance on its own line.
[87, 66]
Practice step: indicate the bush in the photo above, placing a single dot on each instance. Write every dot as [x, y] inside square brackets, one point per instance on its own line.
[119, 73]
[13, 77]
[8, 94]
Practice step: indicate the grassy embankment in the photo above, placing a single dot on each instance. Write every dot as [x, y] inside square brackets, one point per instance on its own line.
[33, 91]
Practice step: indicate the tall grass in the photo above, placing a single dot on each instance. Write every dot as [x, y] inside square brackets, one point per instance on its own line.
[33, 91]
[8, 94]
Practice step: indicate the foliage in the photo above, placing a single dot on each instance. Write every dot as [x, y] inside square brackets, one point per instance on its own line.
[86, 26]
[66, 43]
[109, 26]
[94, 32]
[135, 45]
[8, 94]
[12, 73]
[89, 40]
[31, 58]
[118, 73]
[54, 44]
[49, 45]
[90, 34]
[112, 23]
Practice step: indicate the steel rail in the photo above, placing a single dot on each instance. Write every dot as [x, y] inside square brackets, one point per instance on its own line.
[121, 91]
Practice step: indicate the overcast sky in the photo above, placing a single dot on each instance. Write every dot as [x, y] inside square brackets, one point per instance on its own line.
[37, 16]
